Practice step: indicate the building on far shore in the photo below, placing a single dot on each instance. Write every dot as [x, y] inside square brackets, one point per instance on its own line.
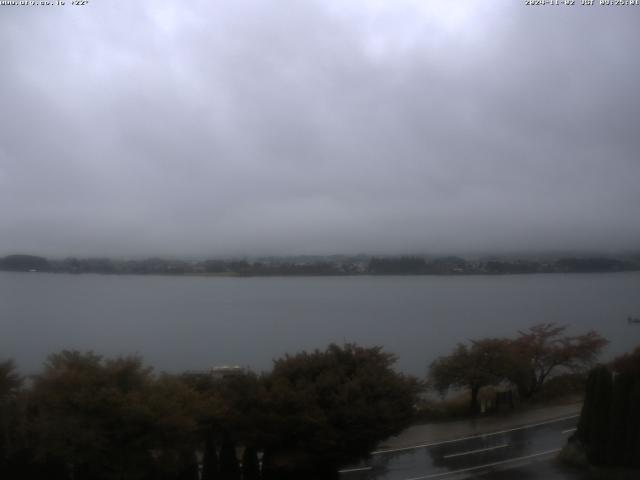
[222, 372]
[227, 371]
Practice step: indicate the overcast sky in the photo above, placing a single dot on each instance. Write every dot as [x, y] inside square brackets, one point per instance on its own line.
[331, 126]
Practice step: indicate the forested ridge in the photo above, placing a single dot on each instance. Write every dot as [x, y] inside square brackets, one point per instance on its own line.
[334, 265]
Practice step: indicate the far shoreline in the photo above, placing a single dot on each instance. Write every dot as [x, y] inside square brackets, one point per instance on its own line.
[346, 275]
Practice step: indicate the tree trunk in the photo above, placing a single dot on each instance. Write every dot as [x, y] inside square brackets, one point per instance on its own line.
[250, 466]
[475, 390]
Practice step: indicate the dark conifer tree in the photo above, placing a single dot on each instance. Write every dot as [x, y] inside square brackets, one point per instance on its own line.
[584, 424]
[609, 426]
[229, 468]
[210, 467]
[619, 419]
[188, 466]
[632, 447]
[250, 465]
[601, 416]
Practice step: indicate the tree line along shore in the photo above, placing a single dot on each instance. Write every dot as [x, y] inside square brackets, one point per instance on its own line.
[89, 417]
[336, 265]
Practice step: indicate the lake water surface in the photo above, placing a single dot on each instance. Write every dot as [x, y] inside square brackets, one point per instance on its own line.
[179, 323]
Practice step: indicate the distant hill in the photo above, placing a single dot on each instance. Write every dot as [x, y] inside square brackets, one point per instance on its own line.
[333, 265]
[24, 263]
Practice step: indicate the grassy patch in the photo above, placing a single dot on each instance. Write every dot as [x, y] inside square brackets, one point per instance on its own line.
[573, 456]
[562, 386]
[430, 410]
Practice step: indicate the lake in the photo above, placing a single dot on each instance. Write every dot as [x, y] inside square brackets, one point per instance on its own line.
[180, 323]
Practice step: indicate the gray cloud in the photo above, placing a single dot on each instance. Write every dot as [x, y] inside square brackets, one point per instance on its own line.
[252, 126]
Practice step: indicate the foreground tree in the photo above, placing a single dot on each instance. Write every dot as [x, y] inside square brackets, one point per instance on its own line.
[542, 350]
[609, 426]
[333, 406]
[210, 459]
[593, 426]
[250, 464]
[112, 419]
[10, 383]
[229, 467]
[482, 363]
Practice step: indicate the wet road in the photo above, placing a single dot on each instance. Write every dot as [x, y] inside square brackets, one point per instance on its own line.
[523, 452]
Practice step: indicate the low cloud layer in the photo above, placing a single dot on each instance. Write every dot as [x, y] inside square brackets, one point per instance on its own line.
[285, 127]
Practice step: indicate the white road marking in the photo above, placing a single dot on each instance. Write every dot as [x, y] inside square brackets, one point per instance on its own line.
[488, 465]
[470, 452]
[351, 470]
[564, 432]
[480, 435]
